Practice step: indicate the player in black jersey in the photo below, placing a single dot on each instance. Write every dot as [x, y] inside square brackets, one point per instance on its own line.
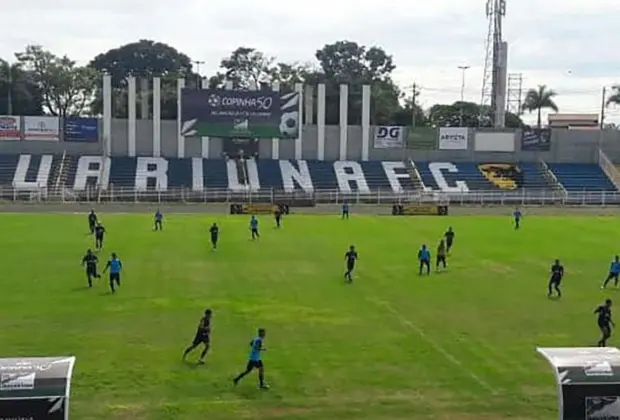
[351, 258]
[449, 235]
[604, 322]
[203, 336]
[215, 232]
[92, 221]
[278, 216]
[99, 232]
[90, 260]
[557, 273]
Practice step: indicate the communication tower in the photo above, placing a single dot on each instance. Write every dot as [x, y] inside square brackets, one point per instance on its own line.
[495, 65]
[514, 102]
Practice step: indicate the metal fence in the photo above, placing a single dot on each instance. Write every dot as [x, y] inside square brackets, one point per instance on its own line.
[379, 196]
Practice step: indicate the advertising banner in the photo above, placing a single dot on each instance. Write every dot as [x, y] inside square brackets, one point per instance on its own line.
[494, 142]
[422, 138]
[239, 114]
[536, 139]
[42, 128]
[77, 129]
[388, 137]
[453, 138]
[10, 127]
[35, 388]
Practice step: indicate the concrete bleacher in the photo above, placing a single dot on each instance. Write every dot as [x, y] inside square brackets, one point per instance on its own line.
[487, 176]
[581, 177]
[7, 168]
[323, 175]
[214, 171]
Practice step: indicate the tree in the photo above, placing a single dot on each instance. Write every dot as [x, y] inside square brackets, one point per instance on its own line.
[19, 95]
[614, 98]
[539, 99]
[467, 113]
[143, 59]
[66, 88]
[249, 68]
[346, 62]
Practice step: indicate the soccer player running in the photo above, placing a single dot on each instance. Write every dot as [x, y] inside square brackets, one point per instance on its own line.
[351, 258]
[115, 266]
[557, 273]
[604, 322]
[614, 271]
[159, 218]
[449, 235]
[256, 360]
[345, 210]
[203, 336]
[441, 255]
[99, 233]
[424, 257]
[92, 221]
[215, 232]
[254, 227]
[90, 260]
[517, 216]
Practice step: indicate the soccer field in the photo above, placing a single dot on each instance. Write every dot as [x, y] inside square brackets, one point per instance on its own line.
[393, 345]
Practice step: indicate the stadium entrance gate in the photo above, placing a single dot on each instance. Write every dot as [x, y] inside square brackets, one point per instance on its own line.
[588, 380]
[35, 388]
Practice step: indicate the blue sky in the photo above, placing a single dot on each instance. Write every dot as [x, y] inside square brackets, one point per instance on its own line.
[569, 45]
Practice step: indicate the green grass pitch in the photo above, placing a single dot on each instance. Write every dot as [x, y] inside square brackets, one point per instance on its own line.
[457, 345]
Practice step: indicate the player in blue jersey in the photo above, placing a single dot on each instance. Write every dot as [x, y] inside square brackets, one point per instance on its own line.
[159, 218]
[614, 272]
[254, 227]
[424, 258]
[255, 360]
[517, 216]
[345, 210]
[115, 266]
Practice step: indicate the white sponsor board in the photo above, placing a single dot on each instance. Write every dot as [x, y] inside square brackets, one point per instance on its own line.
[453, 138]
[388, 137]
[42, 128]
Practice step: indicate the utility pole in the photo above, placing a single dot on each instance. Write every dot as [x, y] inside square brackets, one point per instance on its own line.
[463, 70]
[603, 106]
[198, 77]
[413, 104]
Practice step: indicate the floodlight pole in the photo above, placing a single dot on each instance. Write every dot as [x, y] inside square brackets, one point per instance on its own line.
[463, 71]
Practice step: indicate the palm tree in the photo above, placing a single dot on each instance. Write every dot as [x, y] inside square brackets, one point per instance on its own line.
[537, 99]
[614, 98]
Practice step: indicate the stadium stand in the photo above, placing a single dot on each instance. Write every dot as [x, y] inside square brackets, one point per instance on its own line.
[269, 173]
[7, 168]
[581, 177]
[323, 176]
[214, 172]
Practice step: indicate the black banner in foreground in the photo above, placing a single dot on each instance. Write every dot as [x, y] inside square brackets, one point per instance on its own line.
[419, 210]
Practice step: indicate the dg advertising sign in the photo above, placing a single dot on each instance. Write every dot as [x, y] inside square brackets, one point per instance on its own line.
[239, 114]
[387, 137]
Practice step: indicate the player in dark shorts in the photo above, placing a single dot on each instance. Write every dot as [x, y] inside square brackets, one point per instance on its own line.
[90, 260]
[215, 232]
[441, 255]
[424, 257]
[557, 273]
[604, 322]
[345, 210]
[115, 266]
[517, 216]
[278, 216]
[449, 235]
[254, 228]
[203, 336]
[351, 257]
[614, 271]
[159, 220]
[92, 221]
[255, 360]
[99, 233]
